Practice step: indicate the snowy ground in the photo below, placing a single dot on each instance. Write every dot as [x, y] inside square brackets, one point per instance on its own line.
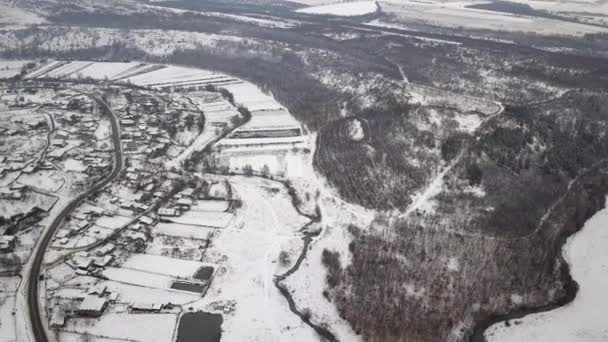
[247, 254]
[123, 326]
[583, 320]
[456, 14]
[346, 9]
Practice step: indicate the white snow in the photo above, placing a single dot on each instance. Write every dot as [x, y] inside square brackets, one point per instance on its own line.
[73, 165]
[122, 326]
[181, 230]
[10, 15]
[346, 9]
[178, 268]
[133, 277]
[456, 14]
[584, 319]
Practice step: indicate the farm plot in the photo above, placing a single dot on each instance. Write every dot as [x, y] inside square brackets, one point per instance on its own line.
[31, 199]
[178, 268]
[211, 205]
[10, 69]
[140, 278]
[178, 247]
[252, 97]
[179, 76]
[43, 69]
[132, 293]
[68, 69]
[204, 219]
[184, 231]
[45, 180]
[113, 222]
[7, 328]
[104, 70]
[122, 326]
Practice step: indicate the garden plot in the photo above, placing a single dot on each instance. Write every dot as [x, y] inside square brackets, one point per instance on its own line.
[177, 268]
[123, 326]
[7, 326]
[8, 178]
[211, 205]
[65, 336]
[113, 222]
[140, 278]
[131, 293]
[177, 247]
[183, 231]
[90, 236]
[45, 180]
[204, 219]
[31, 199]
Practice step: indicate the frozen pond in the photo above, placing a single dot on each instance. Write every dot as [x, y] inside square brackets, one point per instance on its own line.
[585, 318]
[200, 327]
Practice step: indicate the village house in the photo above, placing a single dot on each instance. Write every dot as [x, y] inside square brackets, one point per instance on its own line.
[146, 307]
[92, 306]
[57, 318]
[184, 203]
[168, 212]
[7, 243]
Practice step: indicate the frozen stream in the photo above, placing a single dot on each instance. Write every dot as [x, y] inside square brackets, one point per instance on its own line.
[585, 319]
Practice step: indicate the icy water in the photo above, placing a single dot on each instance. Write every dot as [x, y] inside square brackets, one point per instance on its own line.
[204, 273]
[187, 286]
[585, 319]
[199, 327]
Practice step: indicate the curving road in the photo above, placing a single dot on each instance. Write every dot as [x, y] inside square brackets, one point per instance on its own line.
[37, 323]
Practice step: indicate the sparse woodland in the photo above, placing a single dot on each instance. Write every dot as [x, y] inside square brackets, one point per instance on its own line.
[432, 276]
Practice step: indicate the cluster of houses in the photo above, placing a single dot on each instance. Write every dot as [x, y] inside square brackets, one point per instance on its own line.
[96, 301]
[136, 134]
[93, 263]
[185, 199]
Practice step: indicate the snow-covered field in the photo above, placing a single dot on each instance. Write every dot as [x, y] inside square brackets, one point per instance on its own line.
[247, 254]
[457, 14]
[182, 230]
[127, 327]
[178, 268]
[15, 17]
[346, 9]
[11, 68]
[584, 319]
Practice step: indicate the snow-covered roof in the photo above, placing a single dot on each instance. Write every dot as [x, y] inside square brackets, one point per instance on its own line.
[93, 303]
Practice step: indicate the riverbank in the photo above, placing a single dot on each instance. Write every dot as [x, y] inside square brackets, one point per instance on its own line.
[582, 318]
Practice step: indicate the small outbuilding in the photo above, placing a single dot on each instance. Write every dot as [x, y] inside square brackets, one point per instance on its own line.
[92, 306]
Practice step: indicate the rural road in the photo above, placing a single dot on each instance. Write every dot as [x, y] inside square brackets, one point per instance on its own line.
[36, 321]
